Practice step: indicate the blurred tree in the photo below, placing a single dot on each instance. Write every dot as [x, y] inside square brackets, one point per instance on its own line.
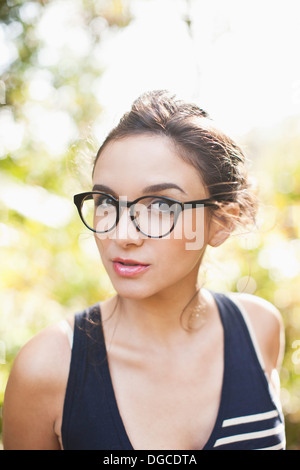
[50, 64]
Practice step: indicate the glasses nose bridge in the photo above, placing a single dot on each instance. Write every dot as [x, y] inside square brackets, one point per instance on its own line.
[125, 204]
[129, 205]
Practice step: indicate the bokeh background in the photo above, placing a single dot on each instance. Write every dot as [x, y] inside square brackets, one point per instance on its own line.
[68, 71]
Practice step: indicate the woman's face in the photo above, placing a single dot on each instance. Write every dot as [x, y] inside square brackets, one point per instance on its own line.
[128, 169]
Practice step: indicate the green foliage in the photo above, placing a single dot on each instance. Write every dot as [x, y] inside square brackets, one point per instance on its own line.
[49, 264]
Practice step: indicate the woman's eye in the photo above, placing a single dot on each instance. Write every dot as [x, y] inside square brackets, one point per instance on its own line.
[104, 201]
[160, 205]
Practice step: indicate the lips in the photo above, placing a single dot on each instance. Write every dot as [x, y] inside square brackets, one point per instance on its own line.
[129, 267]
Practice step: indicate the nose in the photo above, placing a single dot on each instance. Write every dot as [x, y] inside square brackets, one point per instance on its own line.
[126, 231]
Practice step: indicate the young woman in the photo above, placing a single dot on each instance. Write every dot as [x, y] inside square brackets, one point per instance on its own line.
[165, 363]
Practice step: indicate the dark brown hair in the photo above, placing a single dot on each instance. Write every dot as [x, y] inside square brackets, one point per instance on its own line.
[217, 158]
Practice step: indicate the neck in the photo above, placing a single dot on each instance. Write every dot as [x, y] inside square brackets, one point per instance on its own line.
[162, 317]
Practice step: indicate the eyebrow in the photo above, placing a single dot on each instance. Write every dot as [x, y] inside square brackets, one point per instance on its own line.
[154, 188]
[104, 189]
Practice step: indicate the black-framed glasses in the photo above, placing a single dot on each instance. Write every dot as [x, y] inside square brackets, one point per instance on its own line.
[154, 216]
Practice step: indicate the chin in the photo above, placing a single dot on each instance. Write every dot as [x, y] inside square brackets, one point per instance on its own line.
[133, 288]
[131, 293]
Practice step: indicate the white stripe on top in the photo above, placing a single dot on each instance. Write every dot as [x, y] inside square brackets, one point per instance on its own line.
[66, 327]
[250, 418]
[249, 435]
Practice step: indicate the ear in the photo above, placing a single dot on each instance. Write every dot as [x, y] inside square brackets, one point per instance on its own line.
[223, 223]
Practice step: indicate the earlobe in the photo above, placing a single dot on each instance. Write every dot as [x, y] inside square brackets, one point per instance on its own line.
[219, 236]
[223, 225]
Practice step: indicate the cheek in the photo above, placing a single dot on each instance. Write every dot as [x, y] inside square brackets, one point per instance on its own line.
[181, 253]
[174, 261]
[192, 229]
[102, 245]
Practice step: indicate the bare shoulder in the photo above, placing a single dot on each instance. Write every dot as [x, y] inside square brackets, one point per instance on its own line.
[45, 356]
[35, 391]
[267, 323]
[257, 306]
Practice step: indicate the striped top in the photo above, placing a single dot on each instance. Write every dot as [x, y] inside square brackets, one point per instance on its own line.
[249, 415]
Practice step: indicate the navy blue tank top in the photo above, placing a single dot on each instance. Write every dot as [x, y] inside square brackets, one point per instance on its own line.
[249, 415]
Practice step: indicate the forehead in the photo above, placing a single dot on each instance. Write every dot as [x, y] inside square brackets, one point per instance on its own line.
[139, 161]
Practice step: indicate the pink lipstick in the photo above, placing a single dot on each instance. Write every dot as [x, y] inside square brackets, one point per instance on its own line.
[129, 267]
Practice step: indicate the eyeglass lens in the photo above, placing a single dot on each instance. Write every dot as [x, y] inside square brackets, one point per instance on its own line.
[154, 216]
